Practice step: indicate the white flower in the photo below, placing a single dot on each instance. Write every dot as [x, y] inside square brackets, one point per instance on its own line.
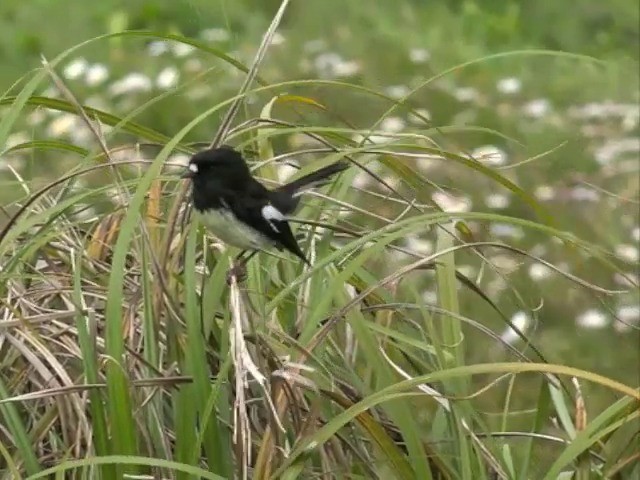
[627, 317]
[134, 82]
[96, 74]
[629, 279]
[504, 262]
[215, 34]
[15, 139]
[430, 297]
[75, 69]
[496, 286]
[81, 135]
[11, 161]
[466, 94]
[509, 85]
[325, 62]
[627, 252]
[497, 200]
[521, 321]
[606, 109]
[98, 102]
[36, 117]
[616, 148]
[544, 193]
[53, 92]
[397, 91]
[537, 108]
[62, 125]
[392, 180]
[584, 194]
[347, 68]
[428, 162]
[392, 124]
[506, 230]
[331, 65]
[277, 39]
[538, 250]
[539, 271]
[490, 155]
[167, 78]
[361, 180]
[286, 170]
[592, 319]
[450, 203]
[182, 49]
[467, 270]
[419, 245]
[157, 48]
[628, 313]
[193, 65]
[419, 55]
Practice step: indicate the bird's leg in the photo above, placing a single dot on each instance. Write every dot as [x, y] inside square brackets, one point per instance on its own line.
[238, 270]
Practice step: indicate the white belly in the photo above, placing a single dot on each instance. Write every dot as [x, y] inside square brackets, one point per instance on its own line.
[225, 226]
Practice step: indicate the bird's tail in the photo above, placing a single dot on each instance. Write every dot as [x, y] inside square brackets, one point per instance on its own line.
[314, 179]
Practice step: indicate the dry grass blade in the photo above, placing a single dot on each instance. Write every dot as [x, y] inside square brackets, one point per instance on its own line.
[245, 367]
[251, 75]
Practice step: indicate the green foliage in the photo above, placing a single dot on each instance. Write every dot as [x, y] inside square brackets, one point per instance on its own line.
[397, 354]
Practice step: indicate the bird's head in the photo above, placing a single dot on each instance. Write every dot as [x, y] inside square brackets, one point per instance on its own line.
[222, 162]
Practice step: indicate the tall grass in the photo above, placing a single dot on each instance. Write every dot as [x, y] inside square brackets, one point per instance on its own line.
[125, 354]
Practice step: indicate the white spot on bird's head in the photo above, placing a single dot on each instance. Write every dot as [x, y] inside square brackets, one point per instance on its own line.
[193, 167]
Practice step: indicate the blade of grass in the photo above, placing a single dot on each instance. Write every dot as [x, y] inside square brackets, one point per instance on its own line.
[20, 437]
[215, 442]
[90, 367]
[451, 337]
[152, 356]
[129, 460]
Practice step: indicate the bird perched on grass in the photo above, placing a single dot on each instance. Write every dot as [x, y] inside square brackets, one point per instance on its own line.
[241, 211]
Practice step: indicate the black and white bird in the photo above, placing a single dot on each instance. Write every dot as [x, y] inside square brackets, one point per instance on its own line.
[241, 211]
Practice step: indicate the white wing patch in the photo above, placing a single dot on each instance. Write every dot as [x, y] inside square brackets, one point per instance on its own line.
[271, 213]
[193, 167]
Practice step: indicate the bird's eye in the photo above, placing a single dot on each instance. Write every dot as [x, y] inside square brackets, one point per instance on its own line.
[193, 167]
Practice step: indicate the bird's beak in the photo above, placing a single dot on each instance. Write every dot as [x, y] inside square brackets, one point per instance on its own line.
[187, 174]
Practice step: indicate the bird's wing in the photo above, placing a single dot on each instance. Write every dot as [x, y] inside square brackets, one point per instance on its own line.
[257, 209]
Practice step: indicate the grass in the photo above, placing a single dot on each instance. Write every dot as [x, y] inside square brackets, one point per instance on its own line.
[124, 353]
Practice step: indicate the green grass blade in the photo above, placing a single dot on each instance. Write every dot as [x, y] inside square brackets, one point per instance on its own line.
[18, 431]
[90, 364]
[216, 444]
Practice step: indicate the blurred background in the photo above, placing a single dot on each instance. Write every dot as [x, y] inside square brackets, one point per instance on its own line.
[565, 127]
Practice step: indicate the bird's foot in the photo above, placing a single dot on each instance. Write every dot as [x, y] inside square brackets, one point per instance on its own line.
[237, 273]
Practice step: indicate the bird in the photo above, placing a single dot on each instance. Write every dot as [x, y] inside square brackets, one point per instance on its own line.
[240, 210]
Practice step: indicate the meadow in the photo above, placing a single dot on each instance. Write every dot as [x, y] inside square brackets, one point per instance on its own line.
[472, 310]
